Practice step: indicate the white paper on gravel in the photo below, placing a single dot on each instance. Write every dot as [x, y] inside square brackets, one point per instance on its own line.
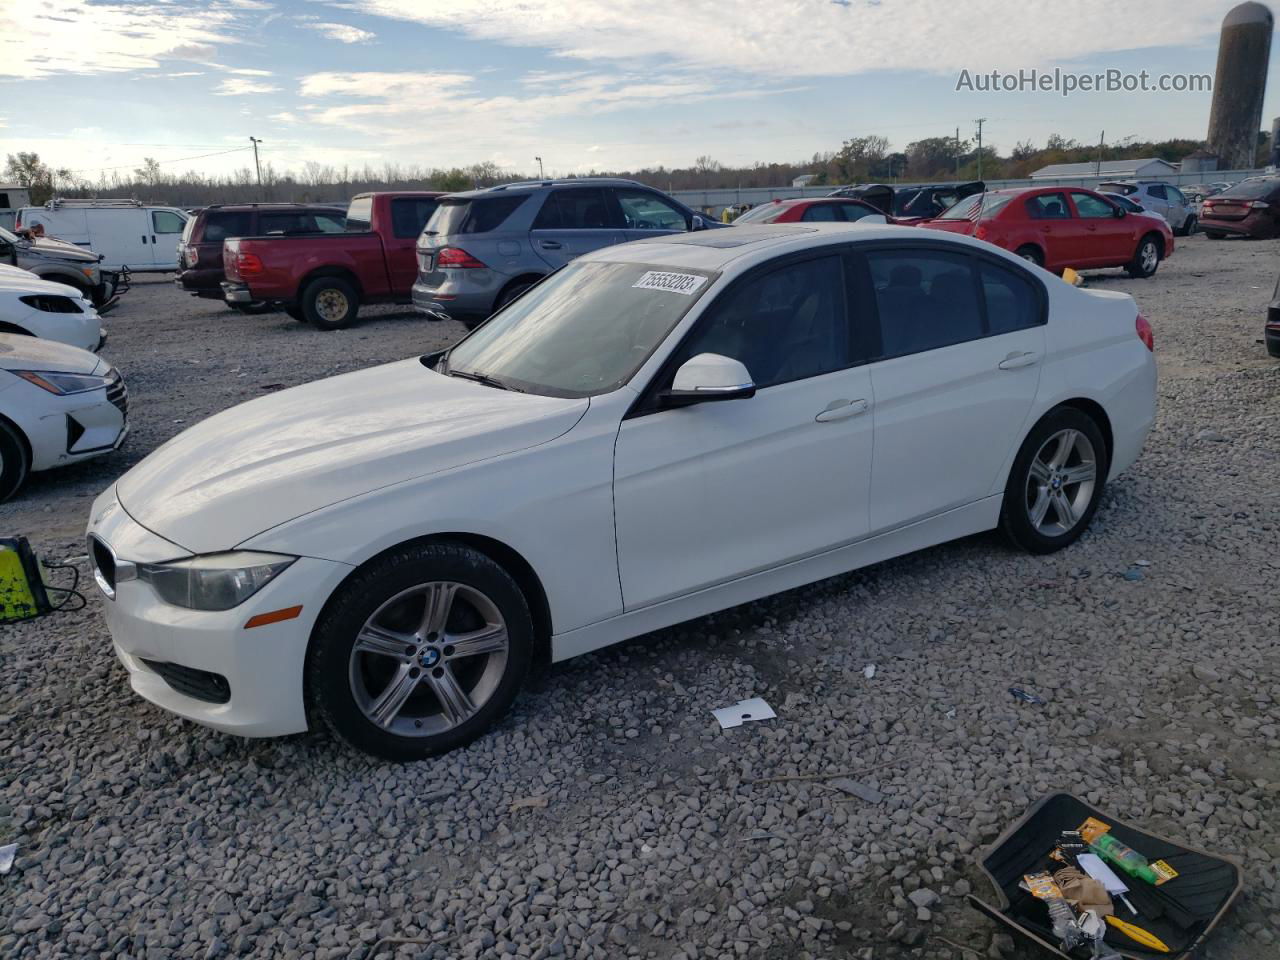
[742, 711]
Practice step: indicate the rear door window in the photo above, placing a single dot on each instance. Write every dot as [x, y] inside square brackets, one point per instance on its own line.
[410, 214]
[1048, 206]
[925, 299]
[577, 209]
[1012, 300]
[822, 213]
[221, 224]
[291, 221]
[1157, 190]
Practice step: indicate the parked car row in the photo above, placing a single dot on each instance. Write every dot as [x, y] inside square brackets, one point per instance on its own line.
[125, 234]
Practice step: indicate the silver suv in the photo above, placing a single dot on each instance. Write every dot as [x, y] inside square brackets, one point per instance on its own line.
[483, 248]
[1159, 197]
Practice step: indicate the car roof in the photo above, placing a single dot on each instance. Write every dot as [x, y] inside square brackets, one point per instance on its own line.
[530, 186]
[713, 250]
[241, 207]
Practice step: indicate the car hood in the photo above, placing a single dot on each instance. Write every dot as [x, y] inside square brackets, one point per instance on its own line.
[19, 352]
[279, 457]
[30, 283]
[62, 250]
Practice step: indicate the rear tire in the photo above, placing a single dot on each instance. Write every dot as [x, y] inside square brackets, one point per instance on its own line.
[446, 639]
[330, 303]
[1031, 254]
[1189, 228]
[1146, 259]
[15, 462]
[1052, 493]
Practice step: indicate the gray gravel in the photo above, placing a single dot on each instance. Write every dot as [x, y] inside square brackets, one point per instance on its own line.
[1154, 641]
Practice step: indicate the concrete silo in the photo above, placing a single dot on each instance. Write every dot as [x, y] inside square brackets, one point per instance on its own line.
[1238, 87]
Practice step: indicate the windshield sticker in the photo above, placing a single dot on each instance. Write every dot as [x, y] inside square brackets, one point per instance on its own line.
[685, 284]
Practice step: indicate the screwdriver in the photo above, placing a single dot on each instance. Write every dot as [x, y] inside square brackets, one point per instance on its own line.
[1138, 935]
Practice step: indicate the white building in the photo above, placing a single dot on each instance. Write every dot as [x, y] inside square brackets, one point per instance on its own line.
[1151, 168]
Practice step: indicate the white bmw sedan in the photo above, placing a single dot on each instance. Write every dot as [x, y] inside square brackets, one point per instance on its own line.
[657, 431]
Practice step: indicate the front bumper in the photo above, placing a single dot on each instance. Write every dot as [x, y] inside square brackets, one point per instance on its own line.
[187, 660]
[236, 292]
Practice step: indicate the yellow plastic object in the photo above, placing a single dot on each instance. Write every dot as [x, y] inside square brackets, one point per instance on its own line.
[1138, 935]
[22, 592]
[1070, 276]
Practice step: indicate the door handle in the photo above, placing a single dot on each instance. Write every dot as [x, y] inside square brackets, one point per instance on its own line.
[842, 410]
[549, 244]
[144, 238]
[1016, 361]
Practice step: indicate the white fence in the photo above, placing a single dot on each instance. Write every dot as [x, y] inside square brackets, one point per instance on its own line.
[714, 201]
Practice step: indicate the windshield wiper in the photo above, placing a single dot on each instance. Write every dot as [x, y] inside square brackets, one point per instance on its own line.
[487, 380]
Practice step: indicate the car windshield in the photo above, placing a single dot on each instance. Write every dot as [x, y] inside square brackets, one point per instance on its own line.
[761, 214]
[583, 331]
[1250, 189]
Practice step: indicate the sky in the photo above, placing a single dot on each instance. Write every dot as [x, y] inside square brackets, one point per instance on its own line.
[93, 85]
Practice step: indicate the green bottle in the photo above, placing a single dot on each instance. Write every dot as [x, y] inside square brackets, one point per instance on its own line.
[1124, 857]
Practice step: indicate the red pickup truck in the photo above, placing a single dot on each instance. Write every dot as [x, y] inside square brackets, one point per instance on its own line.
[322, 278]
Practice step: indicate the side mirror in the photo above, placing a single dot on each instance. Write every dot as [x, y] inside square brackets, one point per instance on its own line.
[707, 377]
[697, 223]
[1120, 212]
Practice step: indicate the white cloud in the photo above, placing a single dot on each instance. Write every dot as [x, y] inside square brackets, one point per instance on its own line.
[235, 87]
[796, 38]
[242, 71]
[186, 73]
[342, 32]
[40, 38]
[285, 116]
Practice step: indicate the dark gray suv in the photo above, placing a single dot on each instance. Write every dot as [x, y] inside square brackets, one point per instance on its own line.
[483, 248]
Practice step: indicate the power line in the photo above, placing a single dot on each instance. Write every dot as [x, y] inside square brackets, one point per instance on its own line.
[201, 156]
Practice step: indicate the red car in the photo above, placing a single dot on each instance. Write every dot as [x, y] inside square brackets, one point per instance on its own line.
[1250, 208]
[812, 210]
[1060, 227]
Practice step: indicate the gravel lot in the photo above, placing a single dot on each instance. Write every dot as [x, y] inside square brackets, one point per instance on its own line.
[636, 830]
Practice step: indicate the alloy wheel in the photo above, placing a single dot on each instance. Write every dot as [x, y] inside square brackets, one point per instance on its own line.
[1150, 256]
[428, 658]
[1061, 482]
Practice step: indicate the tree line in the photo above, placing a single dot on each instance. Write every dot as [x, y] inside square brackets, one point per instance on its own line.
[859, 159]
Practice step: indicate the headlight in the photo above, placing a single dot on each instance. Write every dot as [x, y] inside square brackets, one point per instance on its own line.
[216, 581]
[64, 383]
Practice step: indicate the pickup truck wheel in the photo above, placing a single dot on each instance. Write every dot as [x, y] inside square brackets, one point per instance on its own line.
[330, 303]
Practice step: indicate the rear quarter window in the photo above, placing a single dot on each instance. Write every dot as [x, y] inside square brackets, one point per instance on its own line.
[473, 214]
[360, 214]
[220, 225]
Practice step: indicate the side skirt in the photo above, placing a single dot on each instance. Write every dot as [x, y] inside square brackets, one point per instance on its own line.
[960, 522]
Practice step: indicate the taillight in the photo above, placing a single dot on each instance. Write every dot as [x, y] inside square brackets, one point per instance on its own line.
[981, 231]
[248, 264]
[1145, 333]
[193, 255]
[456, 257]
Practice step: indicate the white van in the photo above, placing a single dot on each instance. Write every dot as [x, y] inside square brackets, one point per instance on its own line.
[12, 198]
[127, 233]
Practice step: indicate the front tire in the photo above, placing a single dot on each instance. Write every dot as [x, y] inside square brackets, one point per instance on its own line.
[421, 652]
[1056, 482]
[1031, 254]
[1145, 259]
[330, 303]
[15, 462]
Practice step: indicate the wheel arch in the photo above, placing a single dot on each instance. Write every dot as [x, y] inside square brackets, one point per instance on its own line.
[6, 327]
[23, 439]
[341, 273]
[507, 557]
[1044, 259]
[1095, 412]
[1155, 235]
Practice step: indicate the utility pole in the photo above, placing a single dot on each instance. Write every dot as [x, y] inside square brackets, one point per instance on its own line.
[957, 153]
[541, 175]
[980, 121]
[1101, 143]
[255, 141]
